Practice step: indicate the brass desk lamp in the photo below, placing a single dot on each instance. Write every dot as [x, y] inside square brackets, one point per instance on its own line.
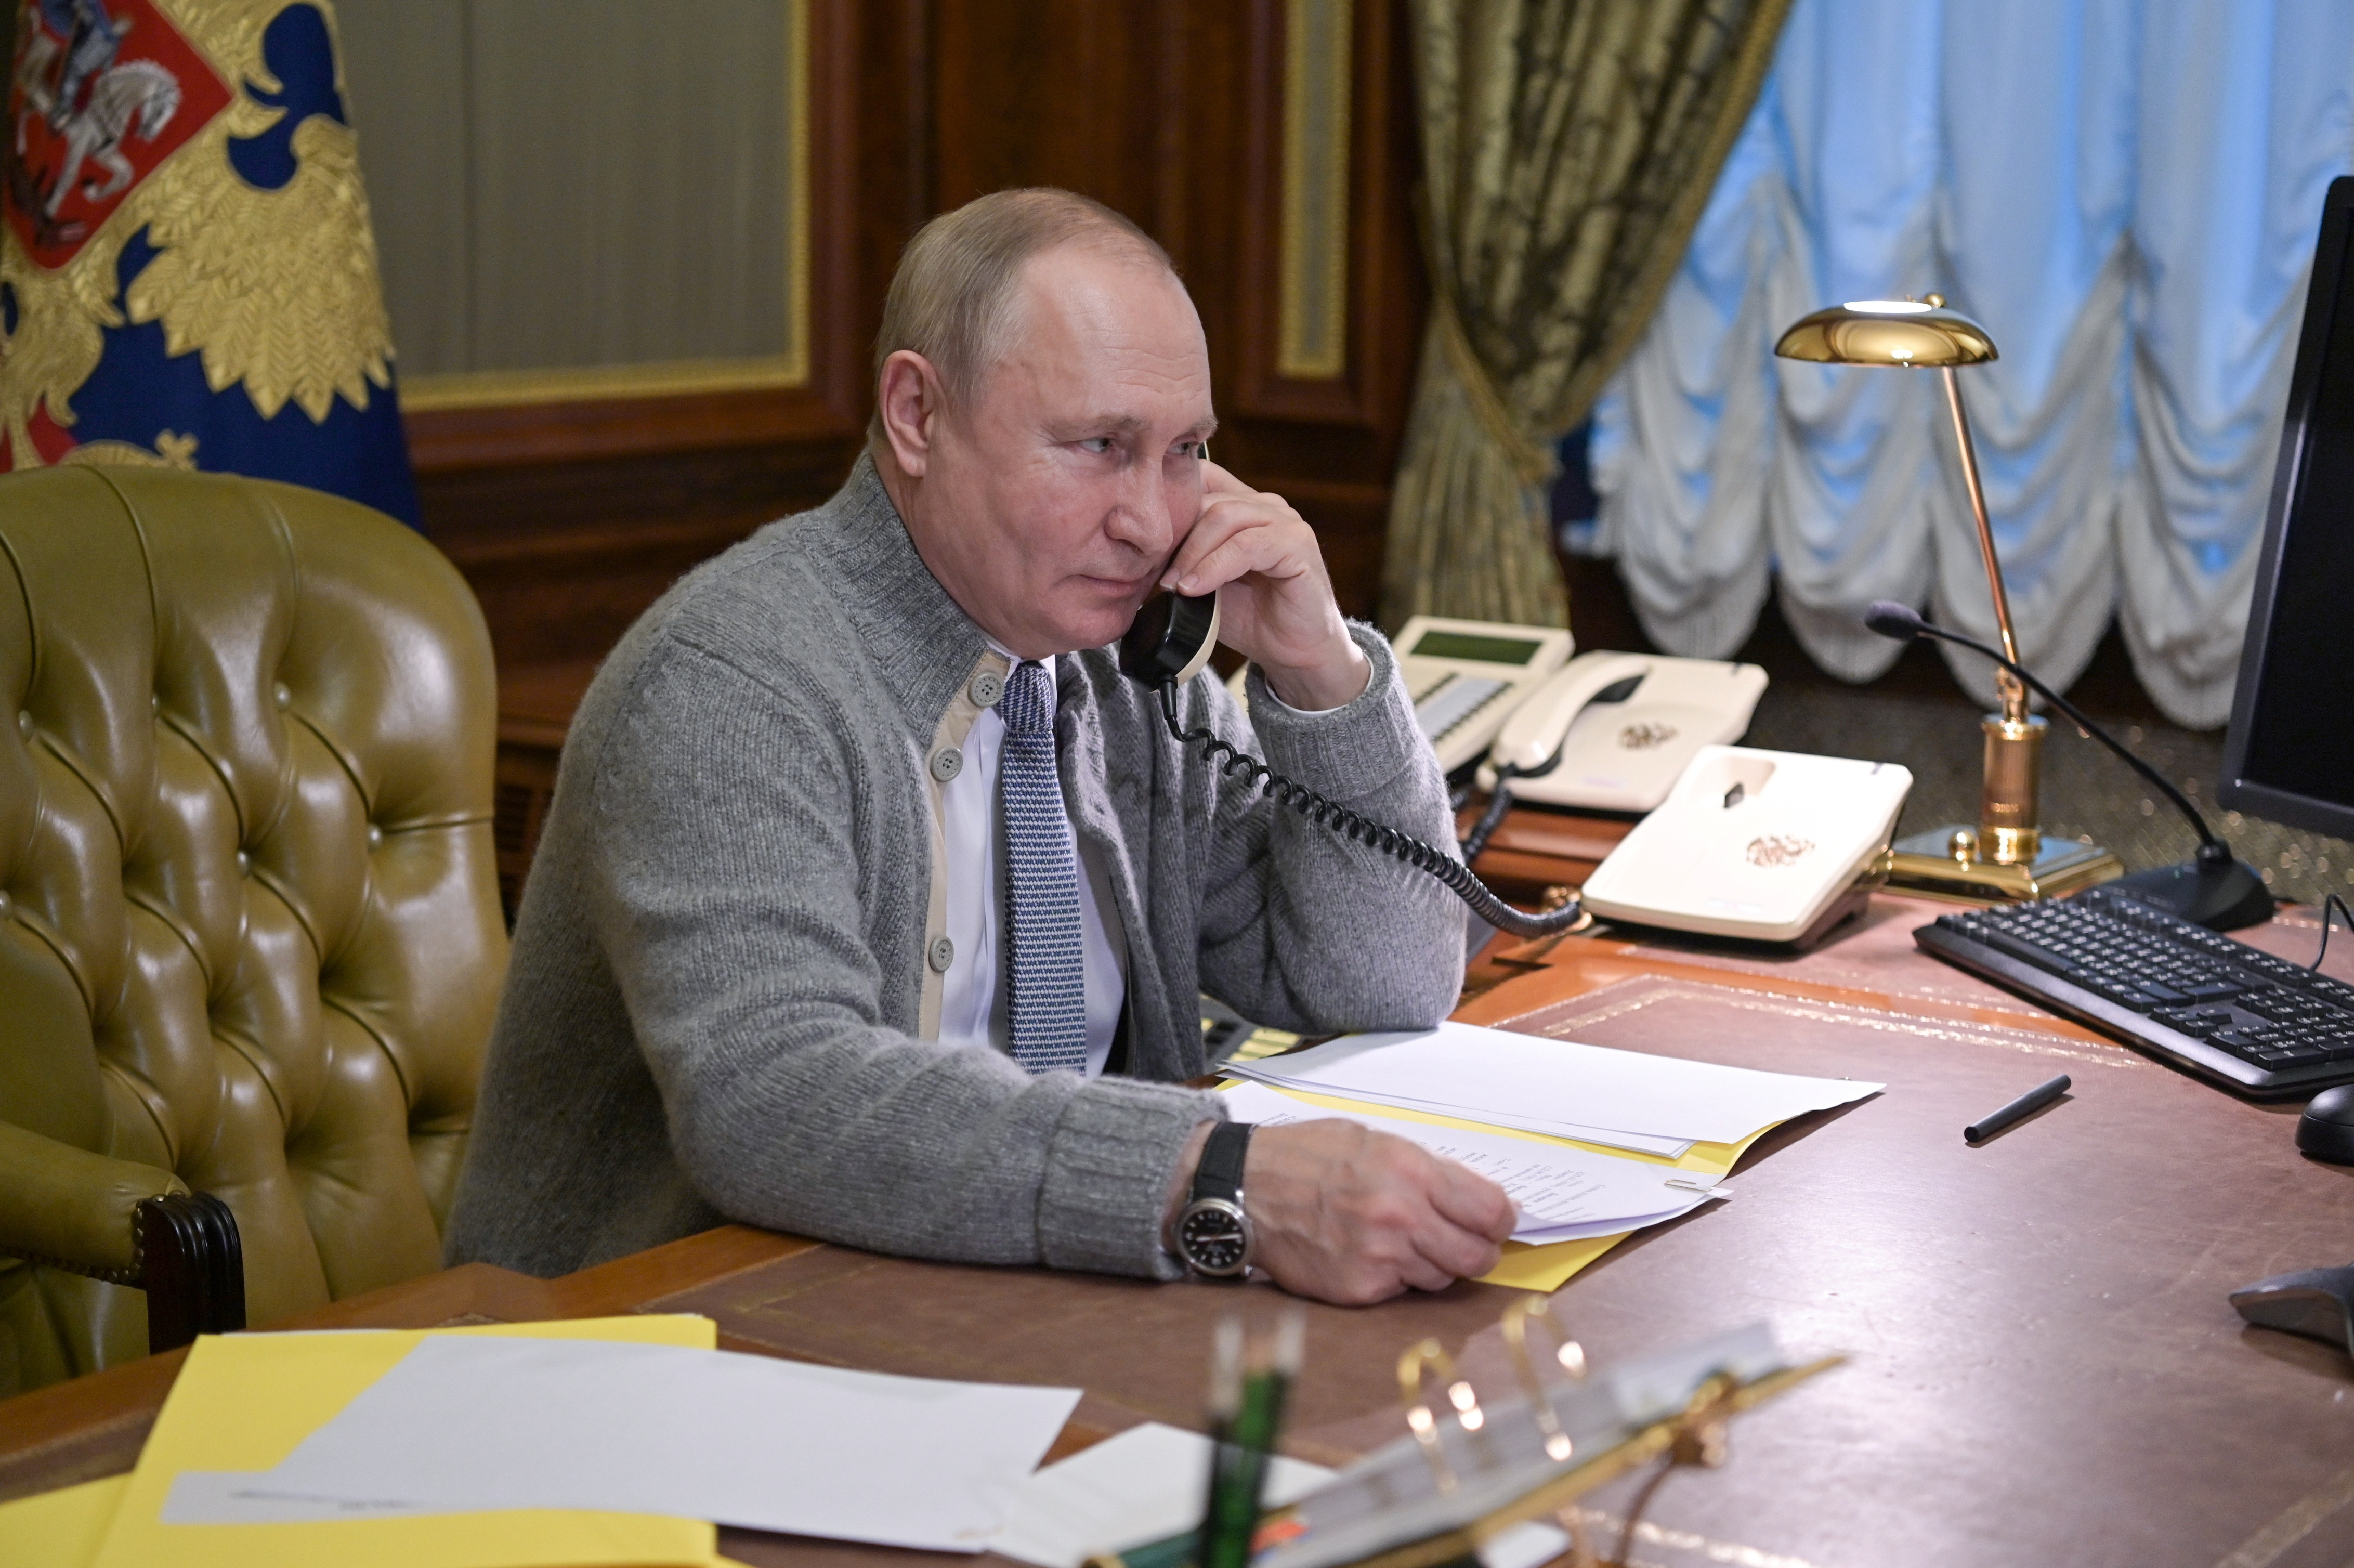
[2005, 856]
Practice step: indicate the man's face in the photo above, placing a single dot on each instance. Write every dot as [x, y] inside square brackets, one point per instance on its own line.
[1050, 502]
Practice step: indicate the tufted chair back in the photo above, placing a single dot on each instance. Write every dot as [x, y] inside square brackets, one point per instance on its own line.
[250, 930]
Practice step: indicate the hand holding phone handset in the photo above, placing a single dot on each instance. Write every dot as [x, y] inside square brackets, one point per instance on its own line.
[1170, 642]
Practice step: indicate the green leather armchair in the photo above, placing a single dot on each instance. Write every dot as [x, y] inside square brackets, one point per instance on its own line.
[250, 932]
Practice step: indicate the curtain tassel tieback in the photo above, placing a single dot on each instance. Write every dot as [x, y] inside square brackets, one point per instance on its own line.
[1531, 463]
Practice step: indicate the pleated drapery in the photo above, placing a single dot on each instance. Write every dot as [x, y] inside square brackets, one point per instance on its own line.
[1568, 147]
[2126, 193]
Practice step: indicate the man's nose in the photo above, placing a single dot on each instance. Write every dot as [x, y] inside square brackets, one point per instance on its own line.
[1139, 517]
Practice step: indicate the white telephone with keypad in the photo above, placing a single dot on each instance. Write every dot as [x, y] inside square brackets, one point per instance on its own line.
[1613, 732]
[1465, 678]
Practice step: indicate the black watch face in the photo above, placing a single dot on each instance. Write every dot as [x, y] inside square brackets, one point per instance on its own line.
[1212, 1236]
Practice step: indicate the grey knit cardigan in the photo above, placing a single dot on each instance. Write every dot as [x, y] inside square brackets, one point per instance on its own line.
[724, 988]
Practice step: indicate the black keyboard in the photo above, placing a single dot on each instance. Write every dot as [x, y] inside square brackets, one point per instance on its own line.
[2222, 1009]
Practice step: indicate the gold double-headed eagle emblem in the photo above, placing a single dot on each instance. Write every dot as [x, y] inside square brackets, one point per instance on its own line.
[276, 290]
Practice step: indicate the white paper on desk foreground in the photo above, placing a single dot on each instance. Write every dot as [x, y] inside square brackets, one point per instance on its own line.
[1152, 1481]
[1561, 1193]
[1633, 1142]
[1610, 1137]
[1543, 1084]
[466, 1424]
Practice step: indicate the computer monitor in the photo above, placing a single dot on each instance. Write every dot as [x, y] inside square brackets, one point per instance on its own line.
[2289, 755]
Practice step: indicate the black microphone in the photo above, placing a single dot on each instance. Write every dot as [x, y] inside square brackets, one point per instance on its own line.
[2214, 888]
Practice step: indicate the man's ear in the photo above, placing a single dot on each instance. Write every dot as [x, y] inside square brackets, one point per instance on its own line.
[908, 399]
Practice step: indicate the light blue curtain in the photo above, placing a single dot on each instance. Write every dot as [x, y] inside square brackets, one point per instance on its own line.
[2125, 194]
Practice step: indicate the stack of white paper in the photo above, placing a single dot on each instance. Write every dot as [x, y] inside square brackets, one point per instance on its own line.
[1564, 1194]
[467, 1424]
[1627, 1100]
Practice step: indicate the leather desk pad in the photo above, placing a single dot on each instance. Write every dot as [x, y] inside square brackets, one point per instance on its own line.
[1877, 953]
[2045, 1368]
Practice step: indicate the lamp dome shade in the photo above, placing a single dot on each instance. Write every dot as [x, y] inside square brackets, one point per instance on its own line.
[1887, 331]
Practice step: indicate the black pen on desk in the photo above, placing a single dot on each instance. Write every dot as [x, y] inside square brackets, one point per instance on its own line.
[2026, 1105]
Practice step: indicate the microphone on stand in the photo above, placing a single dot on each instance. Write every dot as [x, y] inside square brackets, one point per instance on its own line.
[2214, 887]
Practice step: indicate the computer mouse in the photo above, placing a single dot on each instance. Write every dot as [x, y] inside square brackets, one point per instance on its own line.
[2325, 1130]
[2318, 1302]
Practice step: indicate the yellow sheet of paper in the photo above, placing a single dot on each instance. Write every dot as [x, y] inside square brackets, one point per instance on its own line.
[59, 1529]
[244, 1401]
[1549, 1265]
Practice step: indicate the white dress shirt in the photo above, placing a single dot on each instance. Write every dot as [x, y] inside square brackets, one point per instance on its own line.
[972, 995]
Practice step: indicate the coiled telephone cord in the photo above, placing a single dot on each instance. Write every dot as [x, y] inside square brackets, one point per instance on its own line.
[1457, 876]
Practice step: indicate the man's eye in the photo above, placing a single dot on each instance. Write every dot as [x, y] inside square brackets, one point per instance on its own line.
[1097, 444]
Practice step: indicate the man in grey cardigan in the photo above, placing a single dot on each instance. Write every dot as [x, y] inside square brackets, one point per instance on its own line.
[757, 972]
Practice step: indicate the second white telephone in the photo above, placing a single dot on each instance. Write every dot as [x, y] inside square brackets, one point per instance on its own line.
[1464, 677]
[1613, 731]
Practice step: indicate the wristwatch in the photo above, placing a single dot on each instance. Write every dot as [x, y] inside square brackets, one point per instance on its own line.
[1214, 1235]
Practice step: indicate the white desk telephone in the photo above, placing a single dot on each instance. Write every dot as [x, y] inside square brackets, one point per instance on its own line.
[1774, 846]
[1613, 731]
[1465, 678]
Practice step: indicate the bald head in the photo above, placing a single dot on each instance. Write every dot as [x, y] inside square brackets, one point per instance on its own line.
[956, 299]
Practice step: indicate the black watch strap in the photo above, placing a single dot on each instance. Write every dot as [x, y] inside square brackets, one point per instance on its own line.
[1220, 1172]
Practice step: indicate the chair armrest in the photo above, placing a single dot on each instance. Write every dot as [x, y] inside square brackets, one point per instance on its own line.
[72, 1208]
[195, 1272]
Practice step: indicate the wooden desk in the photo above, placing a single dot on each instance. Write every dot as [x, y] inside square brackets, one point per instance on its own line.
[2045, 1369]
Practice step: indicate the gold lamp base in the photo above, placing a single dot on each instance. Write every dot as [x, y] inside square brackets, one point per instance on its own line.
[1943, 863]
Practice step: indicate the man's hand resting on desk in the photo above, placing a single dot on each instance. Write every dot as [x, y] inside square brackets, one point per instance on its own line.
[1345, 1215]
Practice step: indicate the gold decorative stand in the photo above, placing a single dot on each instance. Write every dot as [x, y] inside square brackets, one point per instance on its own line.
[1471, 1468]
[1694, 1439]
[2006, 857]
[1944, 864]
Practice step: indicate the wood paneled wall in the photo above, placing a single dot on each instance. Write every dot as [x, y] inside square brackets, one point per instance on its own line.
[570, 517]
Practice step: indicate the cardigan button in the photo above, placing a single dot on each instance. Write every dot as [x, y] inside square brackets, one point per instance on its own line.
[942, 955]
[947, 763]
[986, 688]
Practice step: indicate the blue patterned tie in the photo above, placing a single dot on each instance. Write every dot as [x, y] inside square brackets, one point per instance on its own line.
[1045, 977]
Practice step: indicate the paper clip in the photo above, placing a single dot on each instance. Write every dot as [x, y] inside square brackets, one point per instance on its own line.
[1430, 1354]
[1567, 1352]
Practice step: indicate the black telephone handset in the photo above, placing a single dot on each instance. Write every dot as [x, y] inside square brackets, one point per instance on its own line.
[1171, 639]
[1168, 644]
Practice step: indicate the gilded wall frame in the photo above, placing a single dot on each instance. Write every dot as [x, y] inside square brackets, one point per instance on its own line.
[1311, 336]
